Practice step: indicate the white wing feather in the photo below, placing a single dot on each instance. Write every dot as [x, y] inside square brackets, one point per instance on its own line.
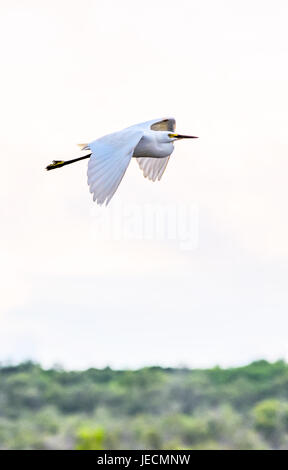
[161, 124]
[110, 158]
[165, 124]
[153, 168]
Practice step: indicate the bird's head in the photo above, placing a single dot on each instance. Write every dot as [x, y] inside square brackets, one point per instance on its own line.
[173, 136]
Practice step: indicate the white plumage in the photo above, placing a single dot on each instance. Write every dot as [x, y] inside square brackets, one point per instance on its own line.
[110, 158]
[153, 168]
[150, 142]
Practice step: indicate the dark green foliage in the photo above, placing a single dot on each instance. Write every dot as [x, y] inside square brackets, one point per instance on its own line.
[152, 408]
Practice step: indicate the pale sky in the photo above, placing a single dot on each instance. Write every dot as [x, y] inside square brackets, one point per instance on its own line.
[73, 291]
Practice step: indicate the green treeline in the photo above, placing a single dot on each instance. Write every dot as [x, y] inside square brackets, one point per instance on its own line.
[150, 408]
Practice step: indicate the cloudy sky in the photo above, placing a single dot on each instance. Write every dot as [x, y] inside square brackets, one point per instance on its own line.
[87, 286]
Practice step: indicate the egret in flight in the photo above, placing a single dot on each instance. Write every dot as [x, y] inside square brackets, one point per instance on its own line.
[151, 143]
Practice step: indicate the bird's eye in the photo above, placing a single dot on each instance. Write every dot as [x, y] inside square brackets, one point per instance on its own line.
[171, 136]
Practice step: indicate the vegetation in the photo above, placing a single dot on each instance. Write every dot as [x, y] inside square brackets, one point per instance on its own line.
[150, 408]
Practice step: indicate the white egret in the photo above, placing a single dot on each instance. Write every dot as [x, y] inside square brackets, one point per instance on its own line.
[151, 143]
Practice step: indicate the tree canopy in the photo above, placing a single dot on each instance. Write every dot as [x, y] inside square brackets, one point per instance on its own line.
[150, 408]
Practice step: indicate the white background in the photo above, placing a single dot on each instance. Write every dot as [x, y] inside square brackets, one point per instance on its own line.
[72, 71]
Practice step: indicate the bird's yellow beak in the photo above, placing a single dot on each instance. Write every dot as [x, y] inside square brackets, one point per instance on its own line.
[180, 136]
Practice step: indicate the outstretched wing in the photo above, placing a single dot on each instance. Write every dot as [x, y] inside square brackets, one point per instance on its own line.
[161, 124]
[110, 158]
[153, 168]
[112, 153]
[168, 124]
